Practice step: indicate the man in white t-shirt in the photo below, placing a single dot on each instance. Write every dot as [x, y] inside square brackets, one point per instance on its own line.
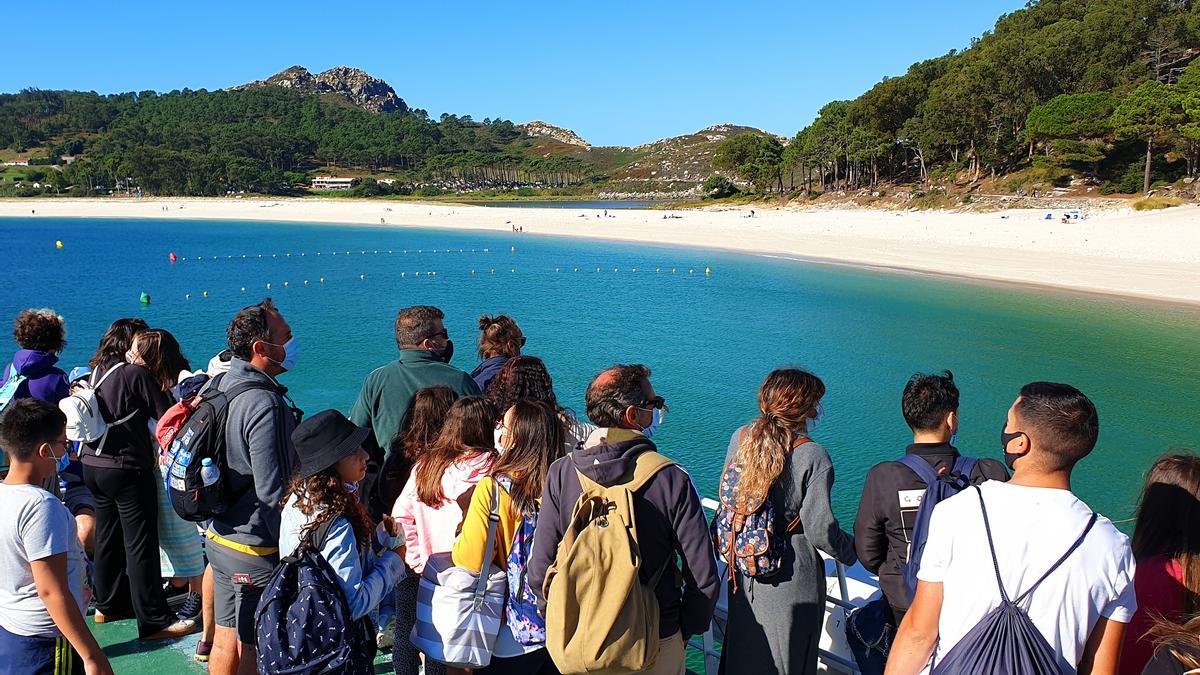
[1082, 607]
[42, 629]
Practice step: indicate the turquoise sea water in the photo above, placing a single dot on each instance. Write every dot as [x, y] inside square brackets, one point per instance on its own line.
[709, 339]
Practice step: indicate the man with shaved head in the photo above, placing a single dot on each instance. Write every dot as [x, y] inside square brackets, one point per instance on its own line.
[669, 519]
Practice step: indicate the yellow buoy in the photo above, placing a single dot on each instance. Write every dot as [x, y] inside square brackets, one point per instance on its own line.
[708, 271]
[58, 244]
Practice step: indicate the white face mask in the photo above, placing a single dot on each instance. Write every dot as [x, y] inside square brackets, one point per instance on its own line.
[291, 353]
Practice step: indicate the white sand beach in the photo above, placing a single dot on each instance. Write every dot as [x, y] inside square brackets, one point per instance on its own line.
[1152, 255]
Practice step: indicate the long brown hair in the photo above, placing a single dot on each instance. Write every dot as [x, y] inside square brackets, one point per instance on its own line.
[1168, 519]
[786, 399]
[1182, 640]
[537, 437]
[160, 352]
[426, 414]
[499, 336]
[324, 495]
[115, 342]
[466, 431]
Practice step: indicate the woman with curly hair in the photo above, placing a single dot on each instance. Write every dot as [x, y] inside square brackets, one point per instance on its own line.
[367, 561]
[525, 378]
[500, 339]
[40, 335]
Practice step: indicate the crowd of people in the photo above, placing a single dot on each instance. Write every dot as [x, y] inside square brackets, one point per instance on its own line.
[437, 472]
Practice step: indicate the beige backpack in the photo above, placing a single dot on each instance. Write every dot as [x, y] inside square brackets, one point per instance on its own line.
[600, 618]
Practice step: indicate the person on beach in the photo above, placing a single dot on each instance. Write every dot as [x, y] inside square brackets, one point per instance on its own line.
[43, 594]
[500, 339]
[243, 542]
[387, 393]
[1166, 545]
[41, 335]
[180, 553]
[1078, 596]
[525, 378]
[891, 493]
[775, 621]
[367, 560]
[431, 505]
[121, 471]
[670, 520]
[422, 427]
[532, 440]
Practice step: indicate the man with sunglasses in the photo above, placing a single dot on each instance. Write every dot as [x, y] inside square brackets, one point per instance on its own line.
[669, 517]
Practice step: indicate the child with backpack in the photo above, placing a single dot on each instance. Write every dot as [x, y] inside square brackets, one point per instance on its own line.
[775, 515]
[42, 568]
[322, 514]
[1023, 577]
[531, 436]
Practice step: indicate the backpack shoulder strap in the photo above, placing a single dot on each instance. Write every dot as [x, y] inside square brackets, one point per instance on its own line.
[110, 371]
[987, 527]
[1078, 542]
[645, 466]
[964, 465]
[919, 466]
[489, 548]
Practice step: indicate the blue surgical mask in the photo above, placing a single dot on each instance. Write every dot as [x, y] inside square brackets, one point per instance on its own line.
[351, 487]
[291, 353]
[954, 438]
[656, 417]
[61, 463]
[813, 422]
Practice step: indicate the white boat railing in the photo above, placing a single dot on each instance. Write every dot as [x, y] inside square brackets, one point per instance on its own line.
[844, 593]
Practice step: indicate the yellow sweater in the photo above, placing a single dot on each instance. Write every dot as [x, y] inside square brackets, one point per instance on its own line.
[468, 548]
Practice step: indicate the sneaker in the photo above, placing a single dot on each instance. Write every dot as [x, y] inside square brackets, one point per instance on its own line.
[175, 630]
[101, 617]
[190, 609]
[384, 637]
[172, 591]
[203, 649]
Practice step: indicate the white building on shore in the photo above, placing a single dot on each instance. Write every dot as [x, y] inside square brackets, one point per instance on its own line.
[332, 183]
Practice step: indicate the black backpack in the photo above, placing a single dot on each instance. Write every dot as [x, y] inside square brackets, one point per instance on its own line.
[302, 623]
[202, 437]
[1005, 641]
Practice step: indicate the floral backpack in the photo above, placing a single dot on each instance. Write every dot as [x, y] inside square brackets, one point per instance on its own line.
[521, 612]
[745, 531]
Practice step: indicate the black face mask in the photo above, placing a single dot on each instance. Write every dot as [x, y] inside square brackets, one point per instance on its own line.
[447, 352]
[1010, 458]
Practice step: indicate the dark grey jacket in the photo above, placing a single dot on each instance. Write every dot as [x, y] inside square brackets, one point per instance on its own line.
[261, 457]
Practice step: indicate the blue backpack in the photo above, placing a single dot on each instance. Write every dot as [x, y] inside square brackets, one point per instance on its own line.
[1005, 641]
[939, 486]
[744, 530]
[8, 392]
[520, 611]
[303, 623]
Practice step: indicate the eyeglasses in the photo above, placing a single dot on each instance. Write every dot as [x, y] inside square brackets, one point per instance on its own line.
[440, 333]
[657, 402]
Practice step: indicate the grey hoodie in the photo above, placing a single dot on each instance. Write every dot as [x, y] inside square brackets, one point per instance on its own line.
[260, 455]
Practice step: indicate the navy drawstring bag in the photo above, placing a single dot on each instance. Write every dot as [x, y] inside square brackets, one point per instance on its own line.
[1005, 641]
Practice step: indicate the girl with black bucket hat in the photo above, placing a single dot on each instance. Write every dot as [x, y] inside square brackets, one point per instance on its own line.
[368, 561]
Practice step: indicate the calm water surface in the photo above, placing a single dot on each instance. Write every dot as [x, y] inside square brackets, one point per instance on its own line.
[709, 339]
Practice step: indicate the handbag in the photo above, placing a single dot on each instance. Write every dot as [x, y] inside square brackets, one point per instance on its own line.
[459, 612]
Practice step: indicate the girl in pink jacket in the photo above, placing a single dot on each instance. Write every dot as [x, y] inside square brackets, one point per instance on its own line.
[432, 503]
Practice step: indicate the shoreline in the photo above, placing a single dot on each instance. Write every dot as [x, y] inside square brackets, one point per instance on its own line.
[1145, 256]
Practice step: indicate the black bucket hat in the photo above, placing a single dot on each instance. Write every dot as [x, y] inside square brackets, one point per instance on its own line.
[325, 438]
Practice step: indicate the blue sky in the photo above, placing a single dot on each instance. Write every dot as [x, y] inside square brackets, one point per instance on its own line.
[618, 73]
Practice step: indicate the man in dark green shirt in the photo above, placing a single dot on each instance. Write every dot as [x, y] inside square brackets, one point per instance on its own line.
[387, 393]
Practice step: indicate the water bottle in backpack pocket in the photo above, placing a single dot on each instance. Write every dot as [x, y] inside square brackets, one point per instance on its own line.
[197, 476]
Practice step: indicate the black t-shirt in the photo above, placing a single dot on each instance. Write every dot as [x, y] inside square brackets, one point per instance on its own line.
[131, 389]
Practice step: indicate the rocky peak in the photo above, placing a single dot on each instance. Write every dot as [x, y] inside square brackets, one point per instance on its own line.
[540, 128]
[351, 84]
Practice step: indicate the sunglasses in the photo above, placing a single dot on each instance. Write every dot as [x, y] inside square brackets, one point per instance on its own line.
[441, 333]
[657, 402]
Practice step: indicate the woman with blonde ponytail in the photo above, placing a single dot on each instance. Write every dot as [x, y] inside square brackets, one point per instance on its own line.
[775, 620]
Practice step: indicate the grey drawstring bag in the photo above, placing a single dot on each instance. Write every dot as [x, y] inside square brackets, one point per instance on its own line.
[1005, 641]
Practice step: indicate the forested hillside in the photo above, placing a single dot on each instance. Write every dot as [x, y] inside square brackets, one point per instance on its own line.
[1096, 87]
